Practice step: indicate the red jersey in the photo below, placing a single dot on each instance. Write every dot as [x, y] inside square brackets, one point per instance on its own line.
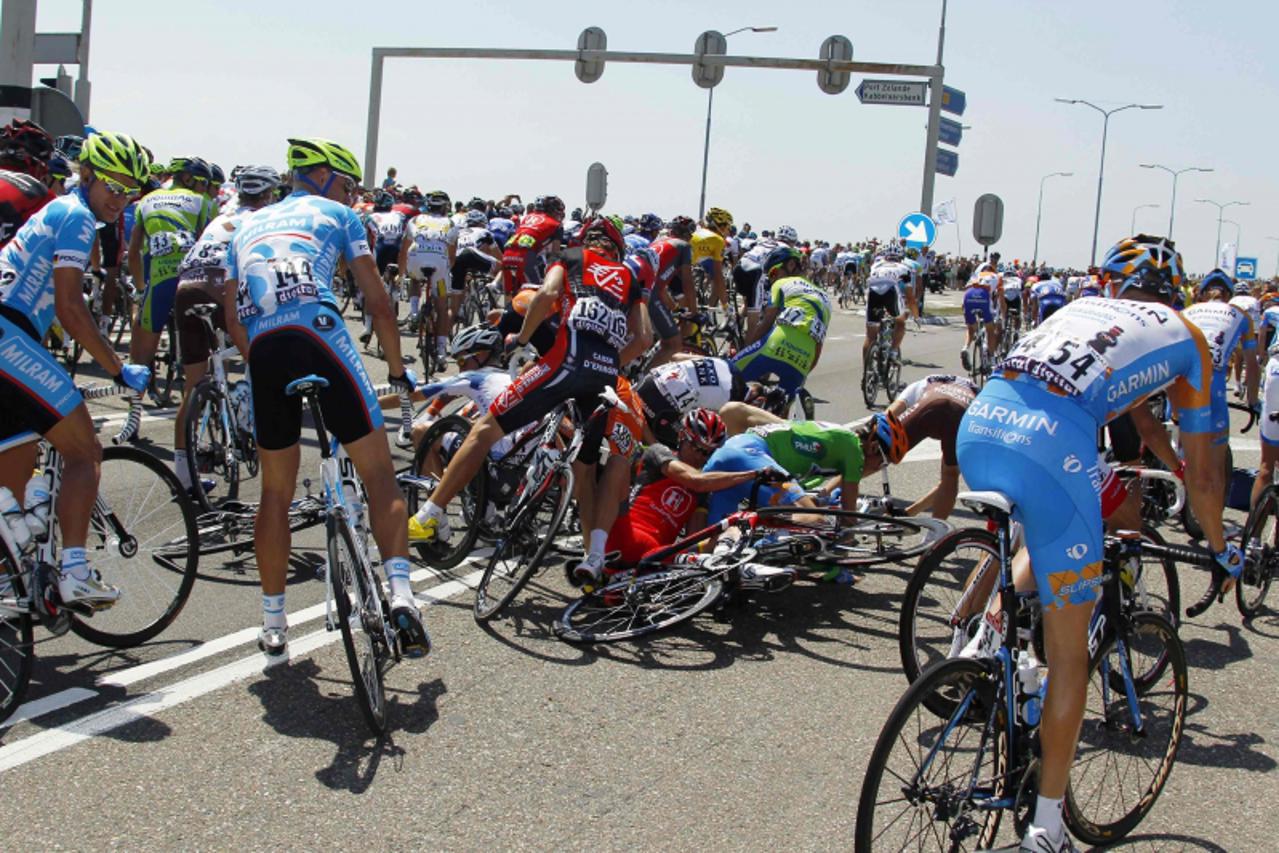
[672, 253]
[20, 196]
[535, 231]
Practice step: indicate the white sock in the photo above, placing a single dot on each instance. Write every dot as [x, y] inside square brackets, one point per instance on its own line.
[429, 510]
[368, 323]
[598, 538]
[1048, 816]
[397, 576]
[180, 468]
[273, 615]
[74, 563]
[415, 303]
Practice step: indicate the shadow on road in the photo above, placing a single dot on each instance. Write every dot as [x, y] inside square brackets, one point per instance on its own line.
[1208, 748]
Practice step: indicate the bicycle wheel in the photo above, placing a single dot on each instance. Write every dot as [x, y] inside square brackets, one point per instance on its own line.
[1261, 538]
[632, 608]
[142, 539]
[528, 536]
[17, 649]
[933, 780]
[211, 449]
[859, 539]
[1119, 772]
[360, 619]
[870, 378]
[166, 370]
[936, 622]
[892, 377]
[447, 434]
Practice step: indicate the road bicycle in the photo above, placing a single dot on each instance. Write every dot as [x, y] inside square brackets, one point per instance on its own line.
[978, 357]
[961, 745]
[1260, 541]
[140, 532]
[481, 296]
[882, 368]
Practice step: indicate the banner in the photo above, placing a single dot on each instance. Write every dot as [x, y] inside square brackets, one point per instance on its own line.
[1226, 257]
[944, 213]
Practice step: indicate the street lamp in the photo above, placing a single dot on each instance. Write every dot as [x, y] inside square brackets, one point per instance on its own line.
[1221, 207]
[1040, 211]
[710, 101]
[1132, 229]
[1172, 205]
[1101, 170]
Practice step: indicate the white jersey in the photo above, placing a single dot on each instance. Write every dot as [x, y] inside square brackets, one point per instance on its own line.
[705, 383]
[458, 219]
[474, 238]
[388, 228]
[1225, 327]
[1012, 286]
[844, 259]
[482, 387]
[209, 252]
[911, 393]
[1251, 306]
[819, 257]
[886, 276]
[432, 235]
[754, 259]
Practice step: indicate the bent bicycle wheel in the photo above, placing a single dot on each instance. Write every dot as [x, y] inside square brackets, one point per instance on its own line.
[857, 539]
[359, 616]
[635, 607]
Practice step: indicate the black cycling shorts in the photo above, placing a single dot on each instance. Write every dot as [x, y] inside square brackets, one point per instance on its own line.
[468, 262]
[664, 324]
[879, 305]
[745, 282]
[195, 343]
[387, 255]
[109, 245]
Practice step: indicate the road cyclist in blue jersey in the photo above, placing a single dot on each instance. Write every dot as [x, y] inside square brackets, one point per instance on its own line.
[282, 314]
[42, 278]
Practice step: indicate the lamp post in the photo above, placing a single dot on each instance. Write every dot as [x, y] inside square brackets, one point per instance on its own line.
[1101, 170]
[1172, 205]
[1039, 211]
[710, 102]
[1132, 229]
[1220, 208]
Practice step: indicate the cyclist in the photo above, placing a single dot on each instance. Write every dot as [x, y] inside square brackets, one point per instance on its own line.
[477, 253]
[600, 308]
[386, 227]
[708, 244]
[884, 300]
[1270, 411]
[25, 150]
[539, 235]
[1046, 298]
[846, 263]
[283, 315]
[1029, 434]
[42, 276]
[672, 287]
[1245, 301]
[670, 391]
[428, 252]
[748, 278]
[200, 279]
[1011, 287]
[977, 295]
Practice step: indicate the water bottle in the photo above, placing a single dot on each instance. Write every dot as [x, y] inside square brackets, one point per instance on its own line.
[12, 516]
[1029, 688]
[38, 503]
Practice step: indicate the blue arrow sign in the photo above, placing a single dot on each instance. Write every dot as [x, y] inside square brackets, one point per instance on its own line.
[1246, 269]
[950, 131]
[953, 100]
[947, 162]
[917, 230]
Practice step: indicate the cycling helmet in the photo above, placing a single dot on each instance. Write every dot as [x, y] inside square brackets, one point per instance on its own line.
[682, 227]
[650, 223]
[1242, 289]
[892, 437]
[517, 209]
[69, 146]
[412, 196]
[116, 152]
[59, 168]
[1149, 264]
[718, 217]
[382, 201]
[780, 256]
[312, 151]
[193, 166]
[437, 201]
[473, 339]
[26, 142]
[610, 227]
[551, 205]
[253, 180]
[1216, 278]
[769, 398]
[476, 219]
[477, 203]
[893, 255]
[787, 234]
[504, 212]
[217, 177]
[703, 428]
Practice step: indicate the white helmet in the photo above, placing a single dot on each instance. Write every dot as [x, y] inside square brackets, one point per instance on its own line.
[787, 234]
[474, 338]
[252, 180]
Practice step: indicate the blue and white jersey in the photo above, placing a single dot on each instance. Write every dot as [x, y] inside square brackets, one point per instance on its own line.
[287, 253]
[1270, 317]
[59, 235]
[1049, 288]
[844, 259]
[482, 387]
[1224, 327]
[501, 229]
[635, 242]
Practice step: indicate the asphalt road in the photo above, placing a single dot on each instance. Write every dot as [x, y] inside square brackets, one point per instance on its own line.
[750, 733]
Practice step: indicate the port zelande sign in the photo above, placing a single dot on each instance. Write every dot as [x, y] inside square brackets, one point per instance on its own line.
[908, 93]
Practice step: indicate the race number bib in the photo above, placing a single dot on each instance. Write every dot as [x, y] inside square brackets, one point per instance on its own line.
[169, 242]
[594, 317]
[1070, 355]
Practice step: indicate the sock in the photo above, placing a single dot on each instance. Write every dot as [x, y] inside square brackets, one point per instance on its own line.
[273, 611]
[598, 538]
[430, 510]
[180, 468]
[74, 563]
[415, 304]
[1048, 816]
[397, 575]
[368, 324]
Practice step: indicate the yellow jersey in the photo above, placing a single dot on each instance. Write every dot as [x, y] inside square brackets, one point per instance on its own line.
[706, 246]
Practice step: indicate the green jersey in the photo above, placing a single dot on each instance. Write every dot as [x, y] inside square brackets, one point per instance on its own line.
[171, 222]
[802, 320]
[806, 448]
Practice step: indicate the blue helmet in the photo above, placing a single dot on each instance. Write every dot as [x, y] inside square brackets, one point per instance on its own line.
[1216, 278]
[650, 222]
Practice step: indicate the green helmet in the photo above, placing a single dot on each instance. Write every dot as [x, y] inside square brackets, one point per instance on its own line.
[115, 152]
[304, 153]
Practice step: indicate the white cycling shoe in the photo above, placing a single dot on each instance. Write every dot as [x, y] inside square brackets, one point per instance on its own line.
[590, 570]
[273, 642]
[1038, 841]
[88, 592]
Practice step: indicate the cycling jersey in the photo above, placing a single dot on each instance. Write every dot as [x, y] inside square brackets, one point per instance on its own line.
[670, 391]
[789, 350]
[388, 228]
[672, 254]
[847, 262]
[1049, 296]
[809, 448]
[207, 258]
[1012, 286]
[1251, 306]
[501, 229]
[886, 276]
[746, 452]
[641, 268]
[535, 232]
[754, 259]
[708, 247]
[911, 394]
[428, 256]
[1224, 326]
[171, 220]
[482, 387]
[977, 298]
[659, 508]
[936, 414]
[20, 196]
[200, 279]
[635, 242]
[475, 240]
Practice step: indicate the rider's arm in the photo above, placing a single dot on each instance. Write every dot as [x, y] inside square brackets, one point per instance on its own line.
[234, 328]
[941, 498]
[705, 481]
[763, 327]
[718, 293]
[135, 254]
[378, 306]
[1204, 486]
[641, 332]
[543, 301]
[73, 314]
[403, 259]
[1252, 375]
[1153, 435]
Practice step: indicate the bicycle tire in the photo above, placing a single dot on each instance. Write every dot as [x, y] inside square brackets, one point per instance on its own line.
[17, 640]
[204, 427]
[166, 372]
[1258, 570]
[351, 589]
[632, 608]
[850, 547]
[523, 533]
[870, 378]
[471, 502]
[909, 723]
[167, 538]
[892, 378]
[1112, 738]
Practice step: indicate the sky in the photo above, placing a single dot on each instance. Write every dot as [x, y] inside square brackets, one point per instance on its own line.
[231, 80]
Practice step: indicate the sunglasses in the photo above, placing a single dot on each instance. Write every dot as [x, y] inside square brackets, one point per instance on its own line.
[116, 188]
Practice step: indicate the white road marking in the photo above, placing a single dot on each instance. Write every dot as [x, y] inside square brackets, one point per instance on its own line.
[48, 704]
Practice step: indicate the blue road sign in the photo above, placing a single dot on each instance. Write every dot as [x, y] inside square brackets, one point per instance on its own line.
[947, 162]
[917, 230]
[1246, 269]
[950, 131]
[953, 100]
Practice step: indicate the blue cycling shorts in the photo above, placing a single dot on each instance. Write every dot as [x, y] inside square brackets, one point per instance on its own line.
[1219, 407]
[746, 452]
[1048, 305]
[36, 393]
[977, 306]
[1037, 447]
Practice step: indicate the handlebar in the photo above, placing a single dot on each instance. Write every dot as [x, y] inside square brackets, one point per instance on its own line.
[1252, 415]
[404, 436]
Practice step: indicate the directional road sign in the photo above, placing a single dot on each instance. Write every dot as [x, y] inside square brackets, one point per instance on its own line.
[950, 131]
[910, 93]
[917, 230]
[1246, 269]
[947, 162]
[953, 100]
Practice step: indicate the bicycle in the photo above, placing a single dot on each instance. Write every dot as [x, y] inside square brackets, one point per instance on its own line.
[979, 359]
[881, 369]
[1260, 540]
[969, 726]
[139, 534]
[481, 296]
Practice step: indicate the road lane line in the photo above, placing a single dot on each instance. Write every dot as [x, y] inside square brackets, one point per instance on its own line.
[48, 704]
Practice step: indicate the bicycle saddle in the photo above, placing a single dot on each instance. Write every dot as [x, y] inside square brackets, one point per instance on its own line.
[204, 309]
[306, 385]
[990, 504]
